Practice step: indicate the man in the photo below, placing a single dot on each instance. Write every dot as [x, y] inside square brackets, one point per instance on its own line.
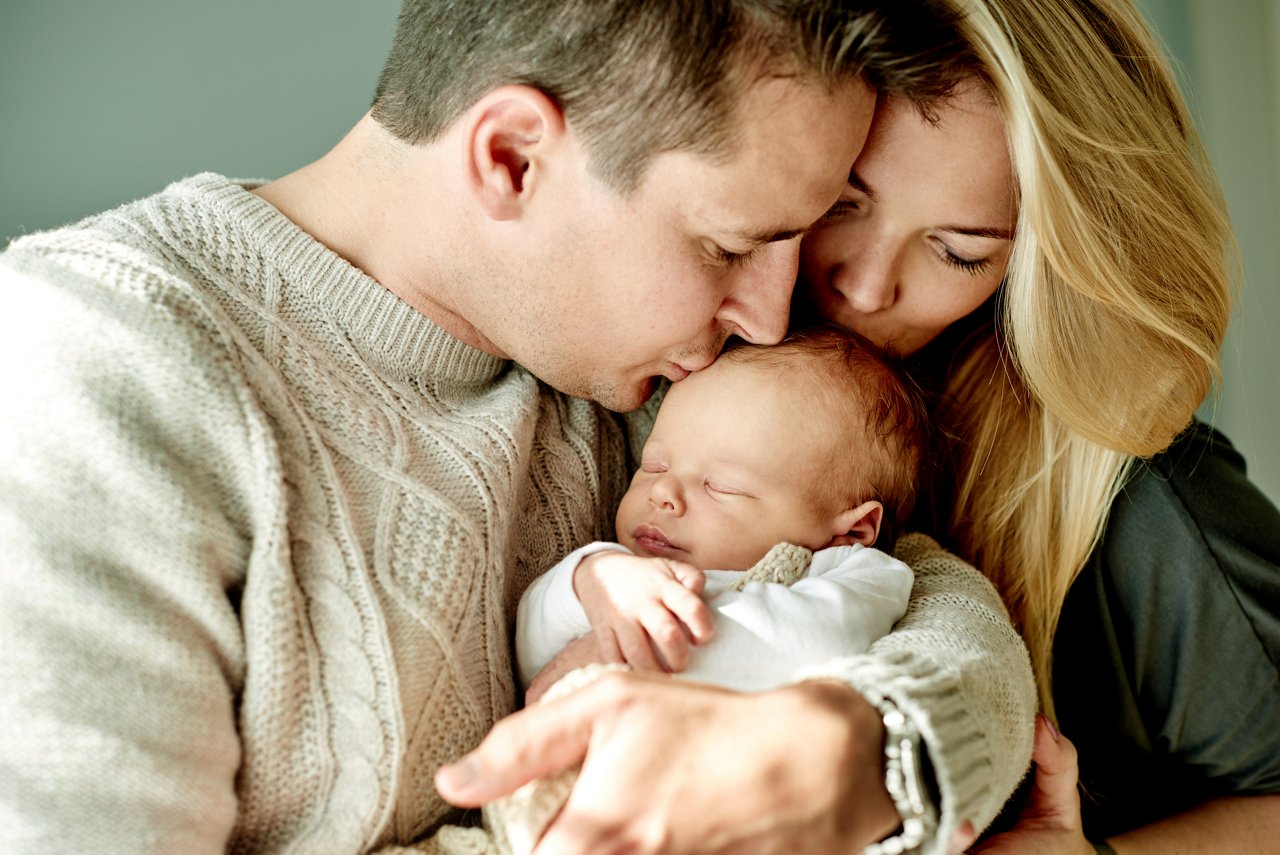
[283, 458]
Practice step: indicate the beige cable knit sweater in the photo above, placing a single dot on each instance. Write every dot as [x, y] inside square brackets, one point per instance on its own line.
[265, 528]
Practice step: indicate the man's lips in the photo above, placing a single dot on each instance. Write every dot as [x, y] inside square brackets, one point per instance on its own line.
[676, 372]
[652, 540]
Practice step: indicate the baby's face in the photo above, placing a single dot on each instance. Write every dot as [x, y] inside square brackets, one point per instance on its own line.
[733, 467]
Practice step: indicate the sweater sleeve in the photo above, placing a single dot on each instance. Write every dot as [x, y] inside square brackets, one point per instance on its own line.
[550, 616]
[957, 667]
[125, 463]
[767, 633]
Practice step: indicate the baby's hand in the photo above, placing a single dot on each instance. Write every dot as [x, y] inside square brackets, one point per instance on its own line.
[643, 611]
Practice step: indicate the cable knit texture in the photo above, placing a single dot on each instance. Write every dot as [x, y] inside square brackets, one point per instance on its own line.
[266, 528]
[265, 531]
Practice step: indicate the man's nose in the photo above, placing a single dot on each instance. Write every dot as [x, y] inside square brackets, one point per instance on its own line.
[759, 303]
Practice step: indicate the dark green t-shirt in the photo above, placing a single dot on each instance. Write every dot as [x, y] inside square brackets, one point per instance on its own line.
[1167, 656]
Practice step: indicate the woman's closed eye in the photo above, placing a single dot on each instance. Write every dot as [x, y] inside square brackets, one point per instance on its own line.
[959, 261]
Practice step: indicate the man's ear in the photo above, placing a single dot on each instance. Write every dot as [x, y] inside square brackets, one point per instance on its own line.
[857, 525]
[506, 135]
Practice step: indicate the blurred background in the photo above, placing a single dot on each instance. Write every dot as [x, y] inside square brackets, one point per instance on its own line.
[104, 102]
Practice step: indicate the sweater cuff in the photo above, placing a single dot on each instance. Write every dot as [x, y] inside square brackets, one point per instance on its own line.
[931, 699]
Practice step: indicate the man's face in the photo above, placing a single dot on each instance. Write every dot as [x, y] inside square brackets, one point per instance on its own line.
[617, 291]
[730, 469]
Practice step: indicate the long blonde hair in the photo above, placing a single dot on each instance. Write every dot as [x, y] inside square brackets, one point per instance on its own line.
[1113, 308]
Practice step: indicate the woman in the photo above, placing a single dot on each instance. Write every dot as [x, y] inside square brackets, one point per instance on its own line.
[1051, 250]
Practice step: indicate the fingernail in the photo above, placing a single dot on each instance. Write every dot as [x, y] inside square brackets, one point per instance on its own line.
[459, 775]
[1053, 729]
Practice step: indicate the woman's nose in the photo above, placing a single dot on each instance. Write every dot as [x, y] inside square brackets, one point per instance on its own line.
[868, 283]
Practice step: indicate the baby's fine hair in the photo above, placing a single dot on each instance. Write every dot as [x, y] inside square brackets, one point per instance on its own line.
[866, 385]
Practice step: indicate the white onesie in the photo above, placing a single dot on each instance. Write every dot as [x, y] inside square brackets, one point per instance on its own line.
[766, 634]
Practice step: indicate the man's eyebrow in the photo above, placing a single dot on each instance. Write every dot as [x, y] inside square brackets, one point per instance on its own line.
[767, 236]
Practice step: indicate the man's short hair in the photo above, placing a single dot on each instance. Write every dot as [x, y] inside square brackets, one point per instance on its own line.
[888, 424]
[640, 78]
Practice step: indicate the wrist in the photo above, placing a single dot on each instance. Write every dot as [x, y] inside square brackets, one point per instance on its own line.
[581, 577]
[584, 559]
[862, 774]
[906, 782]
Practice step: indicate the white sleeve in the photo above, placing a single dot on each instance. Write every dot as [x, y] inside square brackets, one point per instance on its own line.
[550, 616]
[767, 633]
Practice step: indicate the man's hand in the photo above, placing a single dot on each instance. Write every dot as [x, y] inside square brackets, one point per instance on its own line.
[643, 611]
[1050, 823]
[669, 766]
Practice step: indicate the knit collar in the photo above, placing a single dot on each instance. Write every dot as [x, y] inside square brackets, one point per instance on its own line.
[393, 336]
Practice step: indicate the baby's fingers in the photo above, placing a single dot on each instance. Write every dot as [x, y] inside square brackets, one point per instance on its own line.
[691, 611]
[633, 641]
[669, 640]
[608, 646]
[687, 575]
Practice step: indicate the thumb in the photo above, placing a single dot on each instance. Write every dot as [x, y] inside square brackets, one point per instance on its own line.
[533, 743]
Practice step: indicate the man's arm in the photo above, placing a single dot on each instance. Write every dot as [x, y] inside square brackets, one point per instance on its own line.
[120, 645]
[803, 764]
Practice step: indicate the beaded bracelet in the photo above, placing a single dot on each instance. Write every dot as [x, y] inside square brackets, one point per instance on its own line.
[904, 779]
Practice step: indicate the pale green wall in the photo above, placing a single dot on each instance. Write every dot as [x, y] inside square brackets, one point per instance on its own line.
[102, 102]
[1228, 56]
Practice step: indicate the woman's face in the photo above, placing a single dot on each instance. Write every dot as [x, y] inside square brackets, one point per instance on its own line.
[922, 234]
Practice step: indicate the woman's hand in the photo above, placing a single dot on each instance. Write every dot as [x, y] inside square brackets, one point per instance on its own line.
[1050, 822]
[643, 611]
[681, 767]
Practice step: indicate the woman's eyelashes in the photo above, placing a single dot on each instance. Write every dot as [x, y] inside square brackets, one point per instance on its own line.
[972, 266]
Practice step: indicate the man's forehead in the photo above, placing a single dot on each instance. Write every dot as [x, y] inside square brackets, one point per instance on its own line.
[797, 144]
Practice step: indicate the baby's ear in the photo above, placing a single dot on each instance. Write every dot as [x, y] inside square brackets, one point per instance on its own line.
[857, 525]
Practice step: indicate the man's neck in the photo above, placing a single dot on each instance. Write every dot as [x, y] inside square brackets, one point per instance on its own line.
[390, 210]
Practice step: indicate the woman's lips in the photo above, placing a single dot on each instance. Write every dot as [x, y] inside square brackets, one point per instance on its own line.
[652, 540]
